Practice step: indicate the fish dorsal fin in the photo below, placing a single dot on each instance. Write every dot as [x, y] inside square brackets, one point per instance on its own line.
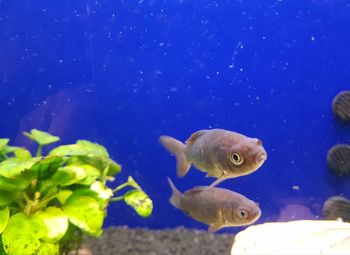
[195, 135]
[196, 189]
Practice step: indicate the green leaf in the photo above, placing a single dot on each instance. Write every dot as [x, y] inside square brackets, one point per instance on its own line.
[48, 249]
[2, 157]
[92, 173]
[63, 195]
[133, 183]
[4, 148]
[82, 147]
[101, 189]
[4, 218]
[94, 148]
[139, 201]
[85, 212]
[114, 168]
[3, 142]
[2, 251]
[56, 223]
[68, 175]
[22, 235]
[22, 154]
[13, 167]
[42, 138]
[99, 163]
[19, 183]
[89, 193]
[47, 166]
[6, 197]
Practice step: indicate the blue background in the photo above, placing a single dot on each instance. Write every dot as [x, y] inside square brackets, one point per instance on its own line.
[121, 73]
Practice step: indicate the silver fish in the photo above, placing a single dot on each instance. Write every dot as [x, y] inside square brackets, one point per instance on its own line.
[220, 153]
[215, 207]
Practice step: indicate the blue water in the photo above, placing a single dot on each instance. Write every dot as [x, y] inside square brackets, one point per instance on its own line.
[122, 73]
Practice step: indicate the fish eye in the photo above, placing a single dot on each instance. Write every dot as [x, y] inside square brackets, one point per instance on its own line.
[236, 159]
[243, 214]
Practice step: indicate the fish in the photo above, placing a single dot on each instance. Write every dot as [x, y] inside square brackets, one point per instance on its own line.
[216, 207]
[220, 153]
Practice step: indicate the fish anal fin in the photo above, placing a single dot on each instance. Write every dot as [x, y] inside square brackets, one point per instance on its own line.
[214, 227]
[195, 135]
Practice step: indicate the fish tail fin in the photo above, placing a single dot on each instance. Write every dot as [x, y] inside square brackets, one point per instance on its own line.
[178, 149]
[176, 195]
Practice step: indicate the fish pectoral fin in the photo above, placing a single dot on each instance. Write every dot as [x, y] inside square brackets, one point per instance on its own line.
[219, 180]
[214, 227]
[216, 174]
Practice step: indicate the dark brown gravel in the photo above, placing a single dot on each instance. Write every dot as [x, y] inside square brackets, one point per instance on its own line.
[178, 241]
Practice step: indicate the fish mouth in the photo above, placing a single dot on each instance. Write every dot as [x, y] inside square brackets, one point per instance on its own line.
[261, 158]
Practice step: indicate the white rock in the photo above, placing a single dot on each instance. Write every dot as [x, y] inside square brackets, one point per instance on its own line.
[294, 237]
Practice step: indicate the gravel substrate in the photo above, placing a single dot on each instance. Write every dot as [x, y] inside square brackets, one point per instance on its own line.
[178, 241]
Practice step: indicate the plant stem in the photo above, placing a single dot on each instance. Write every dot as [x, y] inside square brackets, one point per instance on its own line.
[116, 199]
[39, 151]
[28, 204]
[43, 203]
[26, 198]
[120, 187]
[104, 174]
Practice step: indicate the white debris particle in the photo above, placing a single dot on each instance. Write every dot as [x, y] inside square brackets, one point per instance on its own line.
[312, 38]
[295, 187]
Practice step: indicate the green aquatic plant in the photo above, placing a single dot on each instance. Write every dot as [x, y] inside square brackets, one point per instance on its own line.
[48, 202]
